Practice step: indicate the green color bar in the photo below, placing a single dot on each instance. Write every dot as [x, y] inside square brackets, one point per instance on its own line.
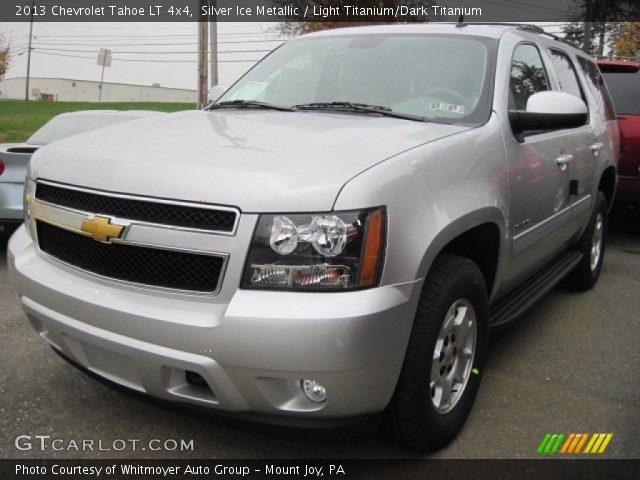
[543, 443]
[558, 442]
[550, 443]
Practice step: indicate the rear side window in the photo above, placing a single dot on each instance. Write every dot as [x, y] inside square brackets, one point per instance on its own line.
[595, 84]
[566, 73]
[528, 75]
[625, 90]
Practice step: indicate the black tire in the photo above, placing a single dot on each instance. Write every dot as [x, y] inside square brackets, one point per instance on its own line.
[584, 277]
[411, 417]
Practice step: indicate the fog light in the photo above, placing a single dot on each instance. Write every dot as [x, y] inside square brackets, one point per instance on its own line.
[314, 391]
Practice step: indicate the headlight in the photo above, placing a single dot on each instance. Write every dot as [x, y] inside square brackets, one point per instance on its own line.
[29, 195]
[324, 251]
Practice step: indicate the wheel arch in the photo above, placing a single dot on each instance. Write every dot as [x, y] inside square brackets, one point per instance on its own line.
[479, 236]
[607, 184]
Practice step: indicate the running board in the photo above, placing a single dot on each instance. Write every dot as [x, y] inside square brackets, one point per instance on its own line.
[517, 302]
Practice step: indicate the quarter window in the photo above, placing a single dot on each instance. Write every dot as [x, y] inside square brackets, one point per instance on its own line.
[528, 75]
[595, 84]
[566, 74]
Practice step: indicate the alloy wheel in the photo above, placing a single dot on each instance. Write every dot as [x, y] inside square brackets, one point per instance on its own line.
[453, 356]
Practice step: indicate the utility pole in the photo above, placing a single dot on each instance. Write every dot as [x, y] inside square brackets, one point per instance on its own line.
[213, 51]
[203, 30]
[26, 86]
[586, 27]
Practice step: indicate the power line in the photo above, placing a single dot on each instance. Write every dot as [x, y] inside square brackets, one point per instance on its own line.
[148, 36]
[104, 27]
[140, 59]
[37, 47]
[102, 44]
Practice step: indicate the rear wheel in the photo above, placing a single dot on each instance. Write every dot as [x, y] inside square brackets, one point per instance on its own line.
[591, 245]
[445, 357]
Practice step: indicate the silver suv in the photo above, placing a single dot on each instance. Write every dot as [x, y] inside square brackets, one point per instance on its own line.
[335, 236]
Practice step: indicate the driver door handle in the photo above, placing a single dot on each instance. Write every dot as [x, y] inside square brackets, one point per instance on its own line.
[564, 160]
[595, 148]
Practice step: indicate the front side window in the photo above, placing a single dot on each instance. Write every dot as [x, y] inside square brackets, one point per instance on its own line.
[443, 78]
[528, 75]
[566, 73]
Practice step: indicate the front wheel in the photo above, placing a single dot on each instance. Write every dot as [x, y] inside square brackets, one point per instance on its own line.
[445, 357]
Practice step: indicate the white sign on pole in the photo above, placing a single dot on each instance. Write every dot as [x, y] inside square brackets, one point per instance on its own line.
[104, 57]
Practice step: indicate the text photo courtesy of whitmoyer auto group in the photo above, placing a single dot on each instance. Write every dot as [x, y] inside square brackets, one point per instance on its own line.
[331, 239]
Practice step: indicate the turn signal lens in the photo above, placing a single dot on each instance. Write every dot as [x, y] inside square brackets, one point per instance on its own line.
[372, 249]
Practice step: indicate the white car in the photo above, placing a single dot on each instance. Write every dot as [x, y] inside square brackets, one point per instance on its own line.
[14, 157]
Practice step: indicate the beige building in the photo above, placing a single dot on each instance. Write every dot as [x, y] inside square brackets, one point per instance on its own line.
[69, 90]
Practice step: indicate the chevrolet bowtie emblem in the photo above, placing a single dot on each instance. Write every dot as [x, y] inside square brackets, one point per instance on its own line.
[101, 228]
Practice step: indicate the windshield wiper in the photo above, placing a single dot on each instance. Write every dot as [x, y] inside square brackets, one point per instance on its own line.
[248, 104]
[359, 108]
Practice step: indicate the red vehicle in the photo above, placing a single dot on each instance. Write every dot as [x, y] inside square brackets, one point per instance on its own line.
[623, 80]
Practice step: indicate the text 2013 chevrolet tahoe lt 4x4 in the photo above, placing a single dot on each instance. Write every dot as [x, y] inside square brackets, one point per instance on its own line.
[334, 237]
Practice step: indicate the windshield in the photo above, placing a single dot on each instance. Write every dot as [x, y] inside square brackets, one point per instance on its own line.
[65, 126]
[625, 90]
[440, 77]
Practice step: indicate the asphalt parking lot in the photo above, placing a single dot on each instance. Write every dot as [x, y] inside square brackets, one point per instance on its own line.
[570, 365]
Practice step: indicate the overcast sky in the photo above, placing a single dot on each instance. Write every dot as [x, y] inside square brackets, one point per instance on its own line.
[149, 53]
[143, 53]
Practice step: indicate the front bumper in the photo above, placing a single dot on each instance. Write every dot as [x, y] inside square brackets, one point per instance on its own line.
[252, 351]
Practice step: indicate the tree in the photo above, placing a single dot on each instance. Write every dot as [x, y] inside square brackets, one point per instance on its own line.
[627, 41]
[595, 22]
[5, 58]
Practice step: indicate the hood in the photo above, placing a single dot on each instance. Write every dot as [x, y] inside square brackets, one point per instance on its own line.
[256, 160]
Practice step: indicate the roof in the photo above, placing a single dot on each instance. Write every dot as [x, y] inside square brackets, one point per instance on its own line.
[488, 30]
[483, 30]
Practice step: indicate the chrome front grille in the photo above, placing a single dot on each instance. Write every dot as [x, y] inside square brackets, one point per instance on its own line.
[158, 211]
[131, 263]
[156, 244]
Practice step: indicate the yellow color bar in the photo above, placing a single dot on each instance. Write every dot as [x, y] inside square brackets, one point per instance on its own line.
[596, 445]
[591, 442]
[607, 439]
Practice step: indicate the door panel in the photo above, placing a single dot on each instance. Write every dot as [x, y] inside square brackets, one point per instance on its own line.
[586, 143]
[539, 175]
[539, 196]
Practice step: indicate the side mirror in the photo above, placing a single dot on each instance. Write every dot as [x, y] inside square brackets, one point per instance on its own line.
[549, 111]
[216, 92]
